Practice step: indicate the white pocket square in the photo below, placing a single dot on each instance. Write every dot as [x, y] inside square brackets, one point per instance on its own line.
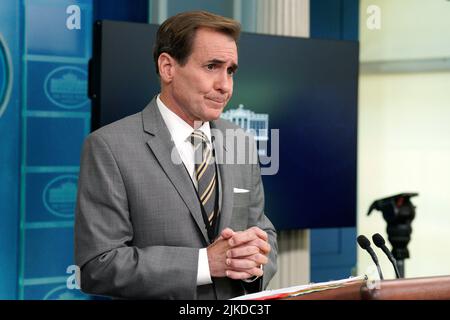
[238, 190]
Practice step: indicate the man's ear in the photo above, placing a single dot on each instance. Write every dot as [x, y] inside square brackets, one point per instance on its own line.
[166, 65]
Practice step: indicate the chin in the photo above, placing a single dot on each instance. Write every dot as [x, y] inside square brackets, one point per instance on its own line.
[213, 115]
[210, 114]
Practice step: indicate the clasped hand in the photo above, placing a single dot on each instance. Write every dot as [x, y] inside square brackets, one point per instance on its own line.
[238, 255]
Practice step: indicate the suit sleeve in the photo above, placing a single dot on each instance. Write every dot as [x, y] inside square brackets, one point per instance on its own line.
[110, 264]
[259, 219]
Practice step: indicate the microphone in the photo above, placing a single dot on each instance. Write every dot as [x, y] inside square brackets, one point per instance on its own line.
[380, 243]
[364, 243]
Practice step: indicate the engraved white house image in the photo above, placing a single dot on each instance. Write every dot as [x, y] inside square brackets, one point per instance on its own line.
[66, 87]
[255, 123]
[60, 194]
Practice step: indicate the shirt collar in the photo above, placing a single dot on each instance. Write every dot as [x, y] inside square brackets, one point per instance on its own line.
[178, 128]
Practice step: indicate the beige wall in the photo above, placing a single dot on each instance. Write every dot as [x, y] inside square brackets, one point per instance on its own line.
[404, 145]
[404, 130]
[410, 29]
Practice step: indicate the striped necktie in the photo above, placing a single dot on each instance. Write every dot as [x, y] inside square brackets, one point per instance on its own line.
[205, 172]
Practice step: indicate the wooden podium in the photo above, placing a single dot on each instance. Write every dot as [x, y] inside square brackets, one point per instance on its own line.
[427, 288]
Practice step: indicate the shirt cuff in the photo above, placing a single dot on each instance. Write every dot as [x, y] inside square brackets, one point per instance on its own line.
[203, 274]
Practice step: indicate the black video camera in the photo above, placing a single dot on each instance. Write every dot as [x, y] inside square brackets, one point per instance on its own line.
[399, 212]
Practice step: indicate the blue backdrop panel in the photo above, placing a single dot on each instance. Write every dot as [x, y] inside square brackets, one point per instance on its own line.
[57, 256]
[54, 141]
[121, 10]
[10, 18]
[334, 19]
[333, 251]
[51, 196]
[56, 118]
[57, 87]
[224, 8]
[50, 36]
[55, 290]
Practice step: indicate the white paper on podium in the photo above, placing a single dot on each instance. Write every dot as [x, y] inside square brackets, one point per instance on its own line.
[297, 290]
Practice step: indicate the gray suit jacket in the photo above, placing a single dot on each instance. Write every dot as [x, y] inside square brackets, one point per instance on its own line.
[139, 226]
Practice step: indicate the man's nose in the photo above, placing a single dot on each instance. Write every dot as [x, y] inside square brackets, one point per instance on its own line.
[224, 82]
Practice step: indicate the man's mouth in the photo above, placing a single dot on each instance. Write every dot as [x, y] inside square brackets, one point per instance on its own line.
[217, 100]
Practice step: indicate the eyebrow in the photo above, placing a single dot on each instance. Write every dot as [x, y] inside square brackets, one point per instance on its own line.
[233, 67]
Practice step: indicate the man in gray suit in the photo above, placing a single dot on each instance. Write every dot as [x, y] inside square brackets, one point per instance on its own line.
[162, 212]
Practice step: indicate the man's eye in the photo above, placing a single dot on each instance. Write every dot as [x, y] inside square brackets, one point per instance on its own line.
[231, 71]
[211, 66]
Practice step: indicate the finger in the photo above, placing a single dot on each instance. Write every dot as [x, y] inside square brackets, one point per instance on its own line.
[261, 244]
[244, 274]
[248, 235]
[259, 258]
[227, 233]
[260, 233]
[242, 251]
[240, 263]
[240, 238]
[247, 262]
[237, 275]
[256, 271]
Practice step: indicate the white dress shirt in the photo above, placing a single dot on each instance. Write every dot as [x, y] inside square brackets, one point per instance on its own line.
[181, 132]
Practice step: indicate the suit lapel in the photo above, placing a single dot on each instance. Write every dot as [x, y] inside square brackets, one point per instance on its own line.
[226, 176]
[163, 148]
